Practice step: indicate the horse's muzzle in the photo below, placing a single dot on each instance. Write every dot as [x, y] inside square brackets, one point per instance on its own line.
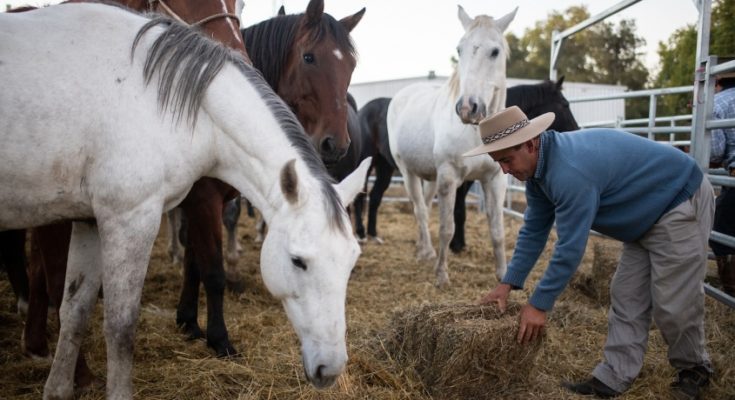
[470, 110]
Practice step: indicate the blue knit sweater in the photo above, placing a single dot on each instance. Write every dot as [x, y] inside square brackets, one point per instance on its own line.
[614, 182]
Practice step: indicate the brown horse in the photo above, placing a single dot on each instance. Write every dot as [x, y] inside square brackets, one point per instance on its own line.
[308, 60]
[219, 19]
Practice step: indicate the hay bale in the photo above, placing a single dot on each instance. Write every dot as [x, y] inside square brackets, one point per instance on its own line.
[463, 351]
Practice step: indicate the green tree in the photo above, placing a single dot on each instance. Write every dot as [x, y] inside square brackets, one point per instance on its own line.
[604, 53]
[530, 54]
[678, 55]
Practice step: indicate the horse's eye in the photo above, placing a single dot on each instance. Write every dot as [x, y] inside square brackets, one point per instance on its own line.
[459, 51]
[495, 52]
[309, 58]
[298, 263]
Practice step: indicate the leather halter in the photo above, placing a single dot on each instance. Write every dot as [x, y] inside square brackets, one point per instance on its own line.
[172, 13]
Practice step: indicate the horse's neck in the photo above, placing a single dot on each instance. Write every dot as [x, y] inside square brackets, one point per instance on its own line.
[252, 147]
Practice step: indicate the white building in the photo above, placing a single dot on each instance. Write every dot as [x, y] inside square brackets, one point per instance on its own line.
[584, 112]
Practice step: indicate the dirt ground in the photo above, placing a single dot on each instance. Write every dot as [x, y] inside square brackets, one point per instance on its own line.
[386, 279]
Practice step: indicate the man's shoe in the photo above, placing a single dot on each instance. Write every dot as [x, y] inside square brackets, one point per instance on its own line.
[689, 383]
[592, 386]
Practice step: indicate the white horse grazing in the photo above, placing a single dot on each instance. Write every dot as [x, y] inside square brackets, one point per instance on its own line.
[429, 127]
[107, 118]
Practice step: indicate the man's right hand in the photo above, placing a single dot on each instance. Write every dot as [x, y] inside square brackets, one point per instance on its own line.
[499, 296]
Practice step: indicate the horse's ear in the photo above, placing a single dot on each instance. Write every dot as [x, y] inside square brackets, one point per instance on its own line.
[464, 18]
[506, 20]
[560, 82]
[314, 12]
[281, 11]
[350, 22]
[353, 183]
[290, 182]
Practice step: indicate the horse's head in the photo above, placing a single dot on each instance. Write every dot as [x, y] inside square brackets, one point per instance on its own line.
[316, 75]
[559, 105]
[480, 74]
[219, 19]
[306, 261]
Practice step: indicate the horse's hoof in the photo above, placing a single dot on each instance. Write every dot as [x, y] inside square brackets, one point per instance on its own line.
[232, 260]
[442, 283]
[192, 331]
[236, 287]
[424, 255]
[376, 239]
[226, 351]
[456, 247]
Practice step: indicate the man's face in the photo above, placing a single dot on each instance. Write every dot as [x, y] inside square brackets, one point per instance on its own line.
[519, 162]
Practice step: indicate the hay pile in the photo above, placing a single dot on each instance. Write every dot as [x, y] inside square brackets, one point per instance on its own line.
[596, 282]
[386, 280]
[463, 351]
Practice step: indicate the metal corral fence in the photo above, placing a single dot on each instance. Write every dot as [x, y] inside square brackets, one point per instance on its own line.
[701, 121]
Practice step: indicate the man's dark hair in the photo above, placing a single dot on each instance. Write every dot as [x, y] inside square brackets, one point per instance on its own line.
[726, 83]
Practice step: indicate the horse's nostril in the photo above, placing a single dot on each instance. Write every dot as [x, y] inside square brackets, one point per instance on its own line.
[328, 145]
[320, 372]
[458, 107]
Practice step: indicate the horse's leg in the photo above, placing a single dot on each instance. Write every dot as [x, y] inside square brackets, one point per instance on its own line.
[126, 242]
[424, 249]
[188, 306]
[230, 216]
[174, 225]
[250, 209]
[260, 228]
[429, 188]
[83, 276]
[447, 182]
[383, 175]
[204, 252]
[34, 341]
[460, 215]
[51, 244]
[493, 188]
[359, 209]
[13, 256]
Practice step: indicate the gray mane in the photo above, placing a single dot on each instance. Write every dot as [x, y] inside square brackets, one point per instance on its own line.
[186, 62]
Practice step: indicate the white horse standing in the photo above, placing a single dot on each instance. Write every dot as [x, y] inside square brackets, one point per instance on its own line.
[430, 127]
[112, 132]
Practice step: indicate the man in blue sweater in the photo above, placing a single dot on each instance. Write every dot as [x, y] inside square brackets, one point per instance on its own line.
[650, 196]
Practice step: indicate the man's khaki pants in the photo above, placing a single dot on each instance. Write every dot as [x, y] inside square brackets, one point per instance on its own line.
[661, 276]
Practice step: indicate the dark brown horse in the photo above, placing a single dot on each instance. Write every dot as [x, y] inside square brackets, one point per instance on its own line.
[308, 60]
[219, 19]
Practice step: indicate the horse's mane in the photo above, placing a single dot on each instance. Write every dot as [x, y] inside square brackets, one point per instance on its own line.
[270, 41]
[527, 97]
[186, 62]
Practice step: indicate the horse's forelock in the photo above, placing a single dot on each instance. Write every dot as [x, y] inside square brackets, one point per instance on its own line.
[269, 43]
[330, 27]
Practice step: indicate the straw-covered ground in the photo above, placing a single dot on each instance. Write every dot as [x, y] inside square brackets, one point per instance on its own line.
[386, 283]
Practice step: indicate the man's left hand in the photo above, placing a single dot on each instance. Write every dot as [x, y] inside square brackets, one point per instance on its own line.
[532, 322]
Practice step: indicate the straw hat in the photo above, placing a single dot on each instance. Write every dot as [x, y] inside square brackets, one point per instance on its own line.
[508, 128]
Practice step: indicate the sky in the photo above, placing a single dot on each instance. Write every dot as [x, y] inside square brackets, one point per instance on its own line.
[408, 38]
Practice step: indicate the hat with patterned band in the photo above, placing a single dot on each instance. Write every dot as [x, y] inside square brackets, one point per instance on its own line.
[508, 128]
